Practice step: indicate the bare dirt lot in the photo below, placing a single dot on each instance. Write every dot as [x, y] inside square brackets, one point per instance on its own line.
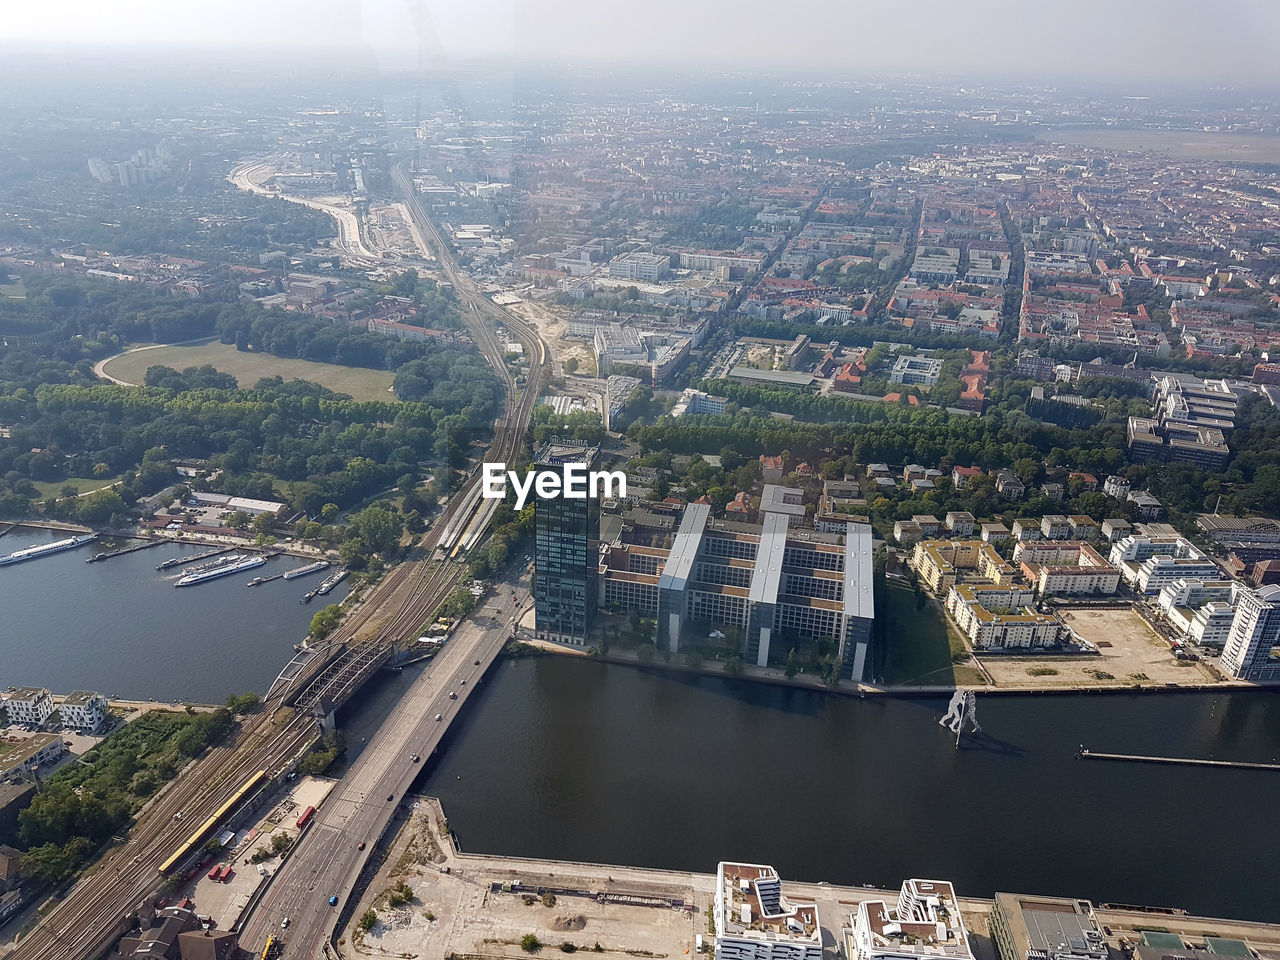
[761, 356]
[1132, 653]
[461, 912]
[552, 327]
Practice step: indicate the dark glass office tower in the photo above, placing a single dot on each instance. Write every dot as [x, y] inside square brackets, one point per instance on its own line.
[567, 538]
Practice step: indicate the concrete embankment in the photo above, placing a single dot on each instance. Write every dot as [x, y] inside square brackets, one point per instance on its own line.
[777, 677]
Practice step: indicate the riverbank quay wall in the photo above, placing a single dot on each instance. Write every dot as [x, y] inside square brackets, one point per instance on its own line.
[1124, 920]
[862, 690]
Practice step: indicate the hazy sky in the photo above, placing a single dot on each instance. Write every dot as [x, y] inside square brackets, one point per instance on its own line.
[1184, 40]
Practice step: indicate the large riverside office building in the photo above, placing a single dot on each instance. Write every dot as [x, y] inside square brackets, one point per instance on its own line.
[567, 533]
[767, 580]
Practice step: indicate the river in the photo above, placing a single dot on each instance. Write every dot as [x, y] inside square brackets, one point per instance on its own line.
[571, 759]
[119, 627]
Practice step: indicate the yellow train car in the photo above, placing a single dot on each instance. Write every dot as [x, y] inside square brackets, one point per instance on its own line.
[201, 836]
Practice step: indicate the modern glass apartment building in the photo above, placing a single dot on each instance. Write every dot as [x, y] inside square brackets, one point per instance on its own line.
[567, 534]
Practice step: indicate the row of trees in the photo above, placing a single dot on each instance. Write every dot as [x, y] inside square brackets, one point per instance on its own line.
[328, 448]
[85, 803]
[870, 433]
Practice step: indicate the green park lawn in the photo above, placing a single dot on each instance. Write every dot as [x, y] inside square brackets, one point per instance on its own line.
[248, 368]
[920, 643]
[53, 488]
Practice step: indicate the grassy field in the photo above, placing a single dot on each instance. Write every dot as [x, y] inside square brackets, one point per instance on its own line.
[921, 644]
[1175, 144]
[53, 488]
[13, 291]
[249, 368]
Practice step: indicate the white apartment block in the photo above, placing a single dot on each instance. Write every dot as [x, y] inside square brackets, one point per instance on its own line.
[1194, 593]
[994, 532]
[1066, 568]
[83, 710]
[1116, 528]
[1151, 563]
[1158, 571]
[696, 401]
[998, 617]
[1024, 530]
[1067, 581]
[715, 260]
[1055, 526]
[1117, 487]
[1211, 624]
[911, 369]
[18, 758]
[648, 267]
[925, 924]
[28, 705]
[754, 921]
[1252, 650]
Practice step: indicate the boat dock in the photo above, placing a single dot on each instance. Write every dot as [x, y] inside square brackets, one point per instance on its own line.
[6, 528]
[237, 564]
[259, 581]
[330, 582]
[1178, 761]
[181, 561]
[132, 548]
[47, 549]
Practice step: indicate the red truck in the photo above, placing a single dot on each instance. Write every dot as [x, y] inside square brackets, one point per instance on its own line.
[226, 874]
[214, 871]
[305, 817]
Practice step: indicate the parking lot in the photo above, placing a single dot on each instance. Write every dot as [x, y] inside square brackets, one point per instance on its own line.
[224, 901]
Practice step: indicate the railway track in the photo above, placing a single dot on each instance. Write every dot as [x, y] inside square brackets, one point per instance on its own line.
[86, 922]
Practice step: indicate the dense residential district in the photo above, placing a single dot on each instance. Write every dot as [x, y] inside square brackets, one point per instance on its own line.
[915, 388]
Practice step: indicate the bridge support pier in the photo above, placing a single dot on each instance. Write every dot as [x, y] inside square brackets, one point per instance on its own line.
[322, 713]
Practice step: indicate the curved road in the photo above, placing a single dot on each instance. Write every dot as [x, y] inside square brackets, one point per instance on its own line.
[348, 224]
[99, 368]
